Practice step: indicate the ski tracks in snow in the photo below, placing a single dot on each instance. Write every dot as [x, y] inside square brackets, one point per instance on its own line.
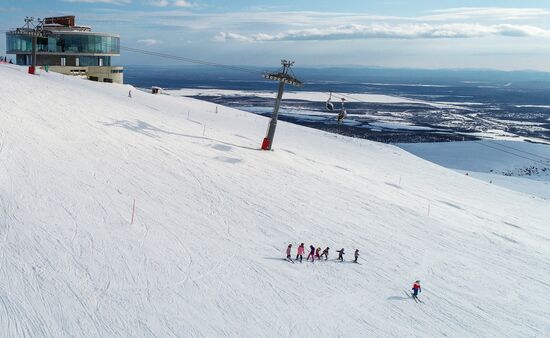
[15, 321]
[75, 223]
[6, 197]
[2, 139]
[214, 199]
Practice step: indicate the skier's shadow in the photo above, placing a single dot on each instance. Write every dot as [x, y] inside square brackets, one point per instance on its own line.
[276, 258]
[397, 298]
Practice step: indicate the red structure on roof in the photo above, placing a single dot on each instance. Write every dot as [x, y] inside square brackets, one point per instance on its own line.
[68, 21]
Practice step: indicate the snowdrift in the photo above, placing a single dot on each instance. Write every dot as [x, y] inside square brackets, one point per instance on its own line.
[213, 216]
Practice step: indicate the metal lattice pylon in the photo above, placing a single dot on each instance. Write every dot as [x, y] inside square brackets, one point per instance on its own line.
[284, 78]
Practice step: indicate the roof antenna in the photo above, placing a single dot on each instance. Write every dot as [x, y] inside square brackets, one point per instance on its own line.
[29, 21]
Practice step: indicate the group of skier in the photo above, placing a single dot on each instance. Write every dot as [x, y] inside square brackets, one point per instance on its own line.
[316, 253]
[4, 59]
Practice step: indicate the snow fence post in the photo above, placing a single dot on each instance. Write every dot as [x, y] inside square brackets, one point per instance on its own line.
[133, 211]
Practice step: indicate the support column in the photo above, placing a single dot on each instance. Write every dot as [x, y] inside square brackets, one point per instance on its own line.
[32, 68]
[268, 141]
[282, 77]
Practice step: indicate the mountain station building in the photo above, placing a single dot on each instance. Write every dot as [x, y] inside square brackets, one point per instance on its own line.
[66, 48]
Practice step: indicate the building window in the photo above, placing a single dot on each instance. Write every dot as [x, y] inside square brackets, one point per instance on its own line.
[28, 60]
[61, 43]
[63, 61]
[77, 62]
[100, 62]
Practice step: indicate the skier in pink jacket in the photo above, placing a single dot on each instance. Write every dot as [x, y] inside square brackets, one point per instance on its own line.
[288, 248]
[300, 252]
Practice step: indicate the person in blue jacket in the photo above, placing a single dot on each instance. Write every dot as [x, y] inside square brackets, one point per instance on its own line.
[311, 253]
[341, 255]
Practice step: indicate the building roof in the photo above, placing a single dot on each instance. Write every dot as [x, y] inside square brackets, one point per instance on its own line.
[58, 27]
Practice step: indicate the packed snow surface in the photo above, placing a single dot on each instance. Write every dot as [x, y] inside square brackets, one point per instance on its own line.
[213, 216]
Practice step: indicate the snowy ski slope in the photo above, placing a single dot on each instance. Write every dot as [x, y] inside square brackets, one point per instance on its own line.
[214, 215]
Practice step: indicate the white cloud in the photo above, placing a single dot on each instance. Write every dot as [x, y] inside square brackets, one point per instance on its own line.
[243, 22]
[385, 31]
[182, 3]
[423, 46]
[149, 42]
[487, 13]
[228, 36]
[6, 10]
[159, 3]
[174, 3]
[114, 2]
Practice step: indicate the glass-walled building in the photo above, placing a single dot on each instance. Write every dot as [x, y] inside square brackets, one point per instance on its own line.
[69, 49]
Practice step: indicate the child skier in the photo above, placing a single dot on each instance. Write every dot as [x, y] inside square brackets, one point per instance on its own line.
[288, 248]
[356, 255]
[318, 253]
[325, 253]
[311, 253]
[300, 252]
[416, 289]
[341, 254]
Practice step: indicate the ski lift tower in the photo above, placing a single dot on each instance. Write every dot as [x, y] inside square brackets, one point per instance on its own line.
[34, 32]
[284, 78]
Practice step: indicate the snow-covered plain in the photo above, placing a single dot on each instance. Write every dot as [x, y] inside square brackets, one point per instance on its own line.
[213, 216]
[304, 96]
[514, 164]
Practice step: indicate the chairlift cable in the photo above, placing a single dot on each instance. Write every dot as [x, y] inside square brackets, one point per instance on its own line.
[519, 150]
[508, 152]
[190, 60]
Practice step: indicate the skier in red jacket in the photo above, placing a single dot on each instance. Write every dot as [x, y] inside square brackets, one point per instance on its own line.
[416, 289]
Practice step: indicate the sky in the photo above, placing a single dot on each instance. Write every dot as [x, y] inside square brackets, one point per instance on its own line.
[433, 34]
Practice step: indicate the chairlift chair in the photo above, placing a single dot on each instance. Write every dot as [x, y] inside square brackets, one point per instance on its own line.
[343, 113]
[330, 105]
